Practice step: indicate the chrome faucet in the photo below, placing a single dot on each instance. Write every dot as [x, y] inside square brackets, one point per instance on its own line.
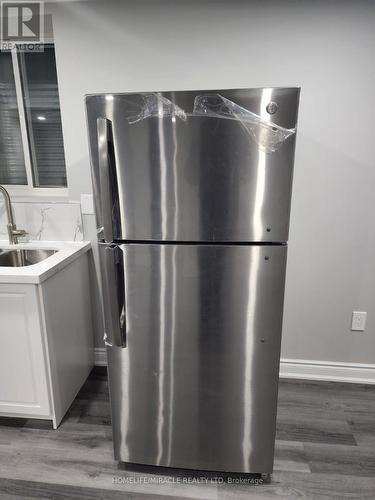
[13, 232]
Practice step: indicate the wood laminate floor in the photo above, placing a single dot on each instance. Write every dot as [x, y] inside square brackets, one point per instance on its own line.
[325, 449]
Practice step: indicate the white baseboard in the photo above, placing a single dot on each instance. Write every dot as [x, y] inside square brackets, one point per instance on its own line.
[330, 371]
[100, 356]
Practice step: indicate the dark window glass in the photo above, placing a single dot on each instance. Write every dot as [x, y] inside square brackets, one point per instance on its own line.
[12, 162]
[42, 110]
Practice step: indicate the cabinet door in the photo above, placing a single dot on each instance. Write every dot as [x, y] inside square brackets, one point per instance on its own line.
[23, 373]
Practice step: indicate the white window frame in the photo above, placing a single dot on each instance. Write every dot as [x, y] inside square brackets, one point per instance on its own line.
[28, 191]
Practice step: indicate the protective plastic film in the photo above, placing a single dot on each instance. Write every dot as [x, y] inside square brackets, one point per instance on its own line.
[154, 104]
[266, 134]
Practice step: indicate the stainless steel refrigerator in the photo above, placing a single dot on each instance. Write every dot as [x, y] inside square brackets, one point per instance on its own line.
[192, 195]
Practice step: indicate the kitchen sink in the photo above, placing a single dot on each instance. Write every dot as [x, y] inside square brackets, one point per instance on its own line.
[23, 257]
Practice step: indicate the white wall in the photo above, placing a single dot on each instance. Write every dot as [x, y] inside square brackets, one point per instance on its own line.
[327, 48]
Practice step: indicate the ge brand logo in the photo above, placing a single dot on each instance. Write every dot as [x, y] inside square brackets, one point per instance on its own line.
[272, 107]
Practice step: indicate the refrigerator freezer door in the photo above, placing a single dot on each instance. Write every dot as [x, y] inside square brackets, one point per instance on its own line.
[196, 385]
[192, 177]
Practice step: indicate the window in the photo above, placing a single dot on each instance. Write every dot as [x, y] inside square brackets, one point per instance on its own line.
[31, 139]
[12, 163]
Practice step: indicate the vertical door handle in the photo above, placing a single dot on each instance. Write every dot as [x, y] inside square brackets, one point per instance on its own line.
[114, 296]
[108, 179]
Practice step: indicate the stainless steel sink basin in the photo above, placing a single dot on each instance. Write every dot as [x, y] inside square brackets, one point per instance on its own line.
[23, 257]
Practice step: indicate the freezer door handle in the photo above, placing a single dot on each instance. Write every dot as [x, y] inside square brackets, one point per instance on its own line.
[108, 179]
[114, 297]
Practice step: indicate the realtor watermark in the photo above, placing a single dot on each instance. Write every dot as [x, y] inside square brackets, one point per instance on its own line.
[124, 480]
[22, 25]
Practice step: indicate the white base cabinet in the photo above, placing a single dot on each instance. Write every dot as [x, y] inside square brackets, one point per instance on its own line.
[46, 344]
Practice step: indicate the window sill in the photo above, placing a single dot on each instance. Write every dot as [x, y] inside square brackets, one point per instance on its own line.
[24, 194]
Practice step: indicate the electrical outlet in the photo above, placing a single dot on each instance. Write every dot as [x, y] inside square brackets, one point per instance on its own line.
[358, 321]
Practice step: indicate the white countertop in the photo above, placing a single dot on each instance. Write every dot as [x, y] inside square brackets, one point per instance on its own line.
[37, 273]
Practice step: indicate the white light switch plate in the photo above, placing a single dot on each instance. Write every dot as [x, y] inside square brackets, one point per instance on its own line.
[87, 204]
[359, 321]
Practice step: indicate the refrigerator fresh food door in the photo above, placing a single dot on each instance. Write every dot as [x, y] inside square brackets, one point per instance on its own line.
[196, 385]
[193, 166]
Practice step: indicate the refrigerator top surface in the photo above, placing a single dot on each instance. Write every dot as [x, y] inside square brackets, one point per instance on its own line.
[205, 165]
